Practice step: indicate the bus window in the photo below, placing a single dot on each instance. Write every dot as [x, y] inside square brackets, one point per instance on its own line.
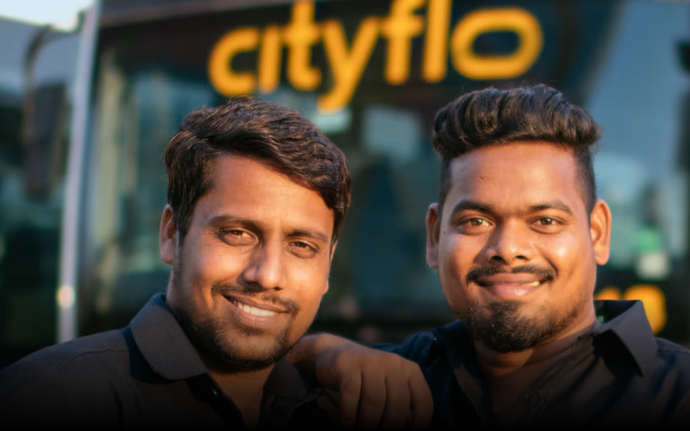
[372, 74]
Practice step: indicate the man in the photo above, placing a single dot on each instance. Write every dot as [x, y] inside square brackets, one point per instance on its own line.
[256, 199]
[516, 237]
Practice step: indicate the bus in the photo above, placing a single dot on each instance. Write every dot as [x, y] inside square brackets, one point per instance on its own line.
[372, 74]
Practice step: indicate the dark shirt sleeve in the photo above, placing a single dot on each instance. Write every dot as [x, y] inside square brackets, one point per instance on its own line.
[34, 395]
[415, 347]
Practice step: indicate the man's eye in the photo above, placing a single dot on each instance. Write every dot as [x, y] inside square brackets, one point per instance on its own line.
[474, 225]
[236, 236]
[477, 222]
[235, 232]
[302, 249]
[303, 246]
[547, 225]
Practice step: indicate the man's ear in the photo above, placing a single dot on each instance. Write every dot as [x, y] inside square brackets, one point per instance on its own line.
[167, 236]
[433, 232]
[600, 231]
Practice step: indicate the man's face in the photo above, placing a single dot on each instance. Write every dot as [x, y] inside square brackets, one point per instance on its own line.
[514, 248]
[249, 274]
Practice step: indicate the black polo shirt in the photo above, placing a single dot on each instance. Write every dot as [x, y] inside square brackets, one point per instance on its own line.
[145, 375]
[618, 376]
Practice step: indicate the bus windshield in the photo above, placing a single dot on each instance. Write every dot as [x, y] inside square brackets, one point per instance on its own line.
[372, 74]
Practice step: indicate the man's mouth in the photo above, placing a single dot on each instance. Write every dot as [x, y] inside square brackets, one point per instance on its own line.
[252, 310]
[513, 279]
[256, 314]
[511, 286]
[535, 283]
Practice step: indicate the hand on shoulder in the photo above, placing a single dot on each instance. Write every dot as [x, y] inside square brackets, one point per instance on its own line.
[377, 389]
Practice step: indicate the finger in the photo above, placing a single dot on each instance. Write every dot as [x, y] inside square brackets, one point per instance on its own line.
[350, 393]
[421, 401]
[373, 401]
[397, 408]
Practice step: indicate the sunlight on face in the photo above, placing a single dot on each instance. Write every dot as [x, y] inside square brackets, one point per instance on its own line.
[514, 247]
[249, 276]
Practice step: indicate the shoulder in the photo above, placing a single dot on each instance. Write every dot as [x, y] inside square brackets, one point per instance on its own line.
[670, 374]
[66, 379]
[67, 366]
[670, 348]
[426, 346]
[673, 357]
[668, 370]
[416, 347]
[97, 349]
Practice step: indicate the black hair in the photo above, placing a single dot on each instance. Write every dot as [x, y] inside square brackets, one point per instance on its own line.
[493, 117]
[261, 130]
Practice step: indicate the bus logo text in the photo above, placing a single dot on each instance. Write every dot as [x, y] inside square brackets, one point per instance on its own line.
[348, 61]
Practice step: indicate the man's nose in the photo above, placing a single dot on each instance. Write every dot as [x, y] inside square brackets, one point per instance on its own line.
[509, 244]
[267, 267]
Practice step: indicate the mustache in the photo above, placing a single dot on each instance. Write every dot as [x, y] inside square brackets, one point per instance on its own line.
[487, 271]
[253, 290]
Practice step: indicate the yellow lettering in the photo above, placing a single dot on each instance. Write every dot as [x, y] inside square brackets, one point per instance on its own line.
[300, 36]
[468, 63]
[347, 67]
[269, 60]
[399, 29]
[654, 303]
[349, 63]
[436, 43]
[226, 81]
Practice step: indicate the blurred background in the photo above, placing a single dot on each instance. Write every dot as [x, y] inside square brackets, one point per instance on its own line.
[90, 94]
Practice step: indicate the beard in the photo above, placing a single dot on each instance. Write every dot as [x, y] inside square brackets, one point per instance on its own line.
[501, 326]
[503, 329]
[222, 353]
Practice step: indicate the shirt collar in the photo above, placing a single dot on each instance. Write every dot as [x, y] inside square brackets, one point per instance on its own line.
[163, 343]
[170, 354]
[625, 319]
[454, 337]
[628, 322]
[290, 391]
[286, 382]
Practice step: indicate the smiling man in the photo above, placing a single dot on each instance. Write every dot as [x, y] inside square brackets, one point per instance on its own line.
[516, 237]
[257, 196]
